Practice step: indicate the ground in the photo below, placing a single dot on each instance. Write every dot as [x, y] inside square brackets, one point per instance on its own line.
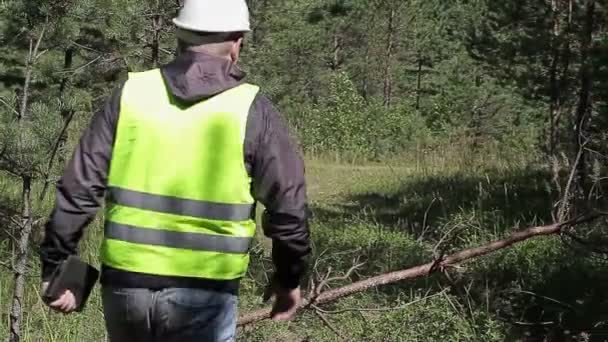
[392, 217]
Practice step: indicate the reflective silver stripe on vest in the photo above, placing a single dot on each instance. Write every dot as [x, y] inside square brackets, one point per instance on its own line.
[180, 206]
[165, 238]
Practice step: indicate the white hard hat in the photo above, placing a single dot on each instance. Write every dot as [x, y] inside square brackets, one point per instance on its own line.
[213, 16]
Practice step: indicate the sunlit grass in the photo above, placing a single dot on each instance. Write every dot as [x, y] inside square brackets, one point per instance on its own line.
[390, 216]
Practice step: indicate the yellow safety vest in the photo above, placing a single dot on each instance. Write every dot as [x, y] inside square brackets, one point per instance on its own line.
[178, 198]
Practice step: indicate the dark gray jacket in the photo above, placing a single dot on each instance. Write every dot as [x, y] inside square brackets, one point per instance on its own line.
[271, 158]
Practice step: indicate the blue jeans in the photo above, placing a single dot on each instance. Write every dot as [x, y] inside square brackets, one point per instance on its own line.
[171, 315]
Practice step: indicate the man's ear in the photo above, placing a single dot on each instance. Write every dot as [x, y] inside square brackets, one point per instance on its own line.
[236, 49]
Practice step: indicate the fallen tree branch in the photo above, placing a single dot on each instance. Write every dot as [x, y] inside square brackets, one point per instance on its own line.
[421, 270]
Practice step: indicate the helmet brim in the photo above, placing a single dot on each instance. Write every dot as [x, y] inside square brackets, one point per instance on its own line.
[185, 26]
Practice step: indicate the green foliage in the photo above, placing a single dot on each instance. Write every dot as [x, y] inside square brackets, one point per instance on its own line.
[343, 122]
[455, 150]
[339, 121]
[377, 215]
[324, 64]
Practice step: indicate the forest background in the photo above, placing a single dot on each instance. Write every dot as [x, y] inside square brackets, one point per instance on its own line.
[428, 127]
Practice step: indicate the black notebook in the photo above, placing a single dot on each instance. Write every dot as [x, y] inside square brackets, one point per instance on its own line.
[75, 275]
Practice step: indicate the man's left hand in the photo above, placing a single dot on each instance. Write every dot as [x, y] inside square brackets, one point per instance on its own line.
[66, 303]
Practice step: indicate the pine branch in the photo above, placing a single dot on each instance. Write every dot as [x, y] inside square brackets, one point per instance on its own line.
[423, 270]
[60, 137]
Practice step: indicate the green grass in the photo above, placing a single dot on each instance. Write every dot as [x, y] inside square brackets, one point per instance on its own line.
[391, 216]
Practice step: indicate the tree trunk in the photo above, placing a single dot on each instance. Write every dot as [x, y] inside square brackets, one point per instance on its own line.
[419, 82]
[26, 84]
[155, 46]
[337, 47]
[157, 26]
[564, 78]
[20, 263]
[366, 57]
[555, 106]
[68, 60]
[257, 8]
[389, 55]
[25, 228]
[67, 114]
[29, 66]
[584, 108]
[366, 76]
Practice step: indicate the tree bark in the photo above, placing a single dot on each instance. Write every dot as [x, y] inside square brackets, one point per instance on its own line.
[20, 263]
[585, 104]
[390, 33]
[421, 270]
[26, 224]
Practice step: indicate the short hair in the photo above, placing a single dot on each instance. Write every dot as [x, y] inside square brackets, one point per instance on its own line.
[193, 38]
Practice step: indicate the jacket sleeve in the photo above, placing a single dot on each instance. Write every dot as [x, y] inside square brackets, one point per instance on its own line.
[81, 189]
[279, 184]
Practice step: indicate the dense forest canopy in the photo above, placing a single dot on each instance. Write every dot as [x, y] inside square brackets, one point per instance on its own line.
[427, 72]
[476, 87]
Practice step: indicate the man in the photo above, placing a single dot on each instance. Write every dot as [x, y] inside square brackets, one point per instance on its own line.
[182, 153]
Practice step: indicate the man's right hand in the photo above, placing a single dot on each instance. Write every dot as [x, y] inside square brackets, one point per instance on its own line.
[286, 302]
